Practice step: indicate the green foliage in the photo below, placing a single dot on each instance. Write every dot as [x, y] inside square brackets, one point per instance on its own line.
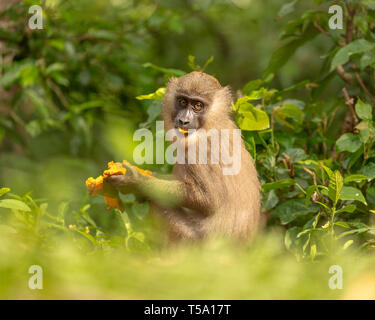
[73, 94]
[343, 55]
[248, 117]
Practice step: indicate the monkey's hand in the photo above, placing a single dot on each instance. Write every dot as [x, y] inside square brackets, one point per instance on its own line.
[105, 185]
[124, 183]
[129, 182]
[143, 184]
[98, 187]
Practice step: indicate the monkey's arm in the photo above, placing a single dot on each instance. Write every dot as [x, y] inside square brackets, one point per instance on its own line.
[165, 193]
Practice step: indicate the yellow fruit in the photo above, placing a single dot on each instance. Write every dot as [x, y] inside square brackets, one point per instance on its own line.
[182, 130]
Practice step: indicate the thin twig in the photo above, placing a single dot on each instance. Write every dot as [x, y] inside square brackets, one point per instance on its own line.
[59, 93]
[350, 103]
[321, 29]
[347, 77]
[361, 83]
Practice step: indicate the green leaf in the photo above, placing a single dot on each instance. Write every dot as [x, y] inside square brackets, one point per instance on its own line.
[248, 117]
[253, 121]
[291, 209]
[86, 235]
[364, 135]
[167, 71]
[259, 94]
[12, 73]
[349, 142]
[363, 110]
[368, 59]
[29, 75]
[196, 67]
[14, 205]
[126, 221]
[4, 191]
[139, 236]
[295, 154]
[251, 86]
[308, 231]
[350, 208]
[343, 55]
[319, 164]
[348, 244]
[281, 56]
[368, 171]
[335, 186]
[55, 67]
[355, 177]
[342, 224]
[278, 184]
[289, 115]
[370, 195]
[269, 201]
[290, 237]
[350, 193]
[58, 44]
[302, 84]
[310, 191]
[353, 231]
[313, 251]
[157, 95]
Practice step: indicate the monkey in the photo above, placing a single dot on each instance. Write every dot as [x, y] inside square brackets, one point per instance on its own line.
[200, 201]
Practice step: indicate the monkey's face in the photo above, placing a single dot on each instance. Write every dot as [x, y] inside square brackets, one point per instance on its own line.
[195, 101]
[189, 112]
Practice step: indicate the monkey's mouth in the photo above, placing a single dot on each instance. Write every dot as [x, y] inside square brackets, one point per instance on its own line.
[184, 131]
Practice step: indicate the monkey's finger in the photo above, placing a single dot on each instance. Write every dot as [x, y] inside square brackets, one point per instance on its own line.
[118, 180]
[130, 167]
[124, 184]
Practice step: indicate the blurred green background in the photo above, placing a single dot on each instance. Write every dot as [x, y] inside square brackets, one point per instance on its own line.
[68, 101]
[68, 106]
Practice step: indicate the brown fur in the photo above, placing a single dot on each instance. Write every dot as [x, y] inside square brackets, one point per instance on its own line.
[200, 201]
[218, 204]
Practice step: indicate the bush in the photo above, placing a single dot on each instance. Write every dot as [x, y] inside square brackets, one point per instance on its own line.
[72, 95]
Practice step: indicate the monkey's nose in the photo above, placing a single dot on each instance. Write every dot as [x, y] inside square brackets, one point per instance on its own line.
[183, 123]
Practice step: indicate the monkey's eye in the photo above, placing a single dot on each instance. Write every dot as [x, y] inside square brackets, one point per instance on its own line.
[183, 102]
[198, 106]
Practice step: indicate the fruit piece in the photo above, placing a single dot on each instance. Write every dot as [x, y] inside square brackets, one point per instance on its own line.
[94, 186]
[182, 130]
[145, 173]
[114, 169]
[113, 203]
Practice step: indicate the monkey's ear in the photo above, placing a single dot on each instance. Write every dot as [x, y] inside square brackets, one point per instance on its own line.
[228, 92]
[225, 94]
[222, 100]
